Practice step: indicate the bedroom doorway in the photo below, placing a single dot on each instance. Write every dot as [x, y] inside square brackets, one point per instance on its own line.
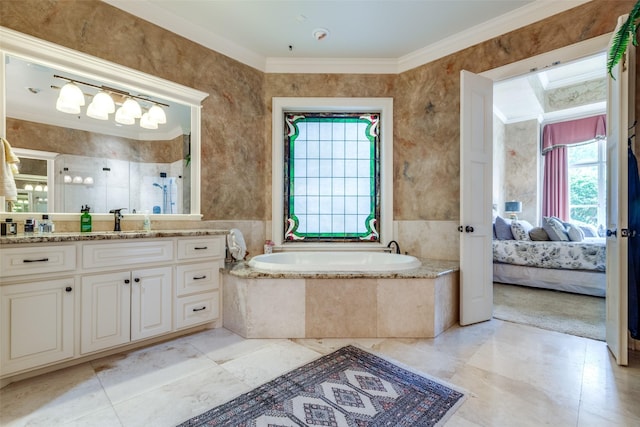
[569, 86]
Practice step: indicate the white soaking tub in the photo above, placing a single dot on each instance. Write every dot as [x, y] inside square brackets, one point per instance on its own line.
[334, 262]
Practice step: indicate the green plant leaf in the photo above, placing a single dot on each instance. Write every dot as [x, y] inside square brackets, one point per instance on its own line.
[622, 37]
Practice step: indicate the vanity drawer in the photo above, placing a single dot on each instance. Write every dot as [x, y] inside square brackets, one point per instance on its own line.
[37, 260]
[192, 278]
[210, 247]
[196, 309]
[125, 254]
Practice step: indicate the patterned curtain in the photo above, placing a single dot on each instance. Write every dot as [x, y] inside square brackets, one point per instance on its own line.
[555, 139]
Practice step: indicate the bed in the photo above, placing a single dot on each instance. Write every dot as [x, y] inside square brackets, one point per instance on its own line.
[577, 267]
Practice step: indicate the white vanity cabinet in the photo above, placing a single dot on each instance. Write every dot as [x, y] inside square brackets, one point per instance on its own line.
[124, 306]
[198, 281]
[79, 299]
[37, 324]
[36, 316]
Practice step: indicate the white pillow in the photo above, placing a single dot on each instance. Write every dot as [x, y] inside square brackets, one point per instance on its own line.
[555, 229]
[520, 229]
[575, 233]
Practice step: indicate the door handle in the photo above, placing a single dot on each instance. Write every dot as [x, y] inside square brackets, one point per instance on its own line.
[460, 229]
[612, 233]
[468, 229]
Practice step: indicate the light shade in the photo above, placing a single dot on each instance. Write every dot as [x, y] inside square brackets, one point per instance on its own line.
[132, 108]
[95, 112]
[72, 93]
[147, 122]
[69, 107]
[123, 117]
[513, 207]
[104, 102]
[157, 114]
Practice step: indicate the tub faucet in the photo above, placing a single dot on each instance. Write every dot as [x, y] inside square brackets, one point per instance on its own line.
[117, 216]
[393, 242]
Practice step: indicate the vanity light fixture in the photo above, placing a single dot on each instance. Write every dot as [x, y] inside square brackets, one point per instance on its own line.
[71, 98]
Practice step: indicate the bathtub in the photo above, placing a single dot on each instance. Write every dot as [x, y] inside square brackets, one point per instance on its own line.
[333, 261]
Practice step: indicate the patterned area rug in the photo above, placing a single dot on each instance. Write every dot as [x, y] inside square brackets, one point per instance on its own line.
[349, 387]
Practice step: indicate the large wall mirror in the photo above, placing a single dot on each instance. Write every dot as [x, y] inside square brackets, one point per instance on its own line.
[70, 158]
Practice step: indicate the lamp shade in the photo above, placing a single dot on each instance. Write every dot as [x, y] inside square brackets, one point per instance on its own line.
[157, 114]
[147, 122]
[513, 206]
[94, 111]
[123, 118]
[104, 102]
[70, 92]
[132, 108]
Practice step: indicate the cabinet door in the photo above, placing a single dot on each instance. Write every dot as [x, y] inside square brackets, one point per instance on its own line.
[151, 298]
[36, 324]
[105, 313]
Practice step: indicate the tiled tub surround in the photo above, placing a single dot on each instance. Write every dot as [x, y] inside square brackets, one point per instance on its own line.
[419, 303]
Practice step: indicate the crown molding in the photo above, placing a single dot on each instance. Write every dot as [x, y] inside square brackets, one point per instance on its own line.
[526, 15]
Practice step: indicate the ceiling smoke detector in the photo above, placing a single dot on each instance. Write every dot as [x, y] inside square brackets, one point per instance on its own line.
[320, 33]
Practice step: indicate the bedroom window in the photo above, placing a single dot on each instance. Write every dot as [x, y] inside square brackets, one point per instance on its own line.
[587, 182]
[332, 176]
[332, 173]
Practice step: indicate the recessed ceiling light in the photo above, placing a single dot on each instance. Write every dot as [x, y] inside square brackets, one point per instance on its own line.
[320, 33]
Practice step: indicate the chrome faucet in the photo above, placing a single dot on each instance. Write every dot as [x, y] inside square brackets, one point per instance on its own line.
[393, 242]
[117, 216]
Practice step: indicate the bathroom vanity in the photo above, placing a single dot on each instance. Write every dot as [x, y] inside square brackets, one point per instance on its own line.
[70, 297]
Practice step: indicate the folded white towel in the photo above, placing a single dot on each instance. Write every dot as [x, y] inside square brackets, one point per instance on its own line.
[8, 168]
[235, 243]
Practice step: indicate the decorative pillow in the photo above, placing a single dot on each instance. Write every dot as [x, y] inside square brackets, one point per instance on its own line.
[538, 234]
[588, 230]
[520, 229]
[503, 229]
[575, 233]
[555, 229]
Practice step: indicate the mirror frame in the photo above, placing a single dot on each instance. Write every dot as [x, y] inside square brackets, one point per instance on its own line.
[68, 60]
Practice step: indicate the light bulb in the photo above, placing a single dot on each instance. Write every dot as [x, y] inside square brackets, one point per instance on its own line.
[132, 108]
[147, 122]
[28, 187]
[123, 118]
[88, 180]
[77, 180]
[67, 179]
[157, 114]
[38, 187]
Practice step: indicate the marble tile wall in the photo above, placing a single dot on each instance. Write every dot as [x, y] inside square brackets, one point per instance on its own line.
[236, 175]
[522, 167]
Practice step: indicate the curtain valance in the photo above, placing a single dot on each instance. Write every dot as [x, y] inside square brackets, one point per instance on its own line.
[573, 131]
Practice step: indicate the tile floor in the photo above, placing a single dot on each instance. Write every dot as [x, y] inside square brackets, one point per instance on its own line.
[517, 375]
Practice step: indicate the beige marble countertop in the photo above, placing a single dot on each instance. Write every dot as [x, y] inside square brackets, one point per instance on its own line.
[106, 235]
[430, 269]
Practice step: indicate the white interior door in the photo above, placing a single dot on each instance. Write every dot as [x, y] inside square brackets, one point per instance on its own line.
[476, 158]
[620, 116]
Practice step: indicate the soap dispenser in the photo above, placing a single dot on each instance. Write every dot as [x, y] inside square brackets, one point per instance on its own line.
[85, 219]
[146, 224]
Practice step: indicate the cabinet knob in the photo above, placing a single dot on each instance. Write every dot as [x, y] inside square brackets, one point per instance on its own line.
[137, 280]
[68, 289]
[127, 281]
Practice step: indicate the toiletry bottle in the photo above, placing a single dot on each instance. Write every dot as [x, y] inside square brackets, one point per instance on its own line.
[45, 225]
[29, 226]
[146, 224]
[85, 220]
[9, 228]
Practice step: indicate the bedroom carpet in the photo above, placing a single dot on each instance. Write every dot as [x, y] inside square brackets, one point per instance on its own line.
[574, 314]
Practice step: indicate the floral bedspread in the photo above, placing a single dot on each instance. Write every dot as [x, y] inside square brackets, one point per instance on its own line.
[586, 255]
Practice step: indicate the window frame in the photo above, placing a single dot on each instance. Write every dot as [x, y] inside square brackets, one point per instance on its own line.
[383, 106]
[601, 164]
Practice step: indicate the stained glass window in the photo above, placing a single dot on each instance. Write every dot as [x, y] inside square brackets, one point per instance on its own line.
[332, 177]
